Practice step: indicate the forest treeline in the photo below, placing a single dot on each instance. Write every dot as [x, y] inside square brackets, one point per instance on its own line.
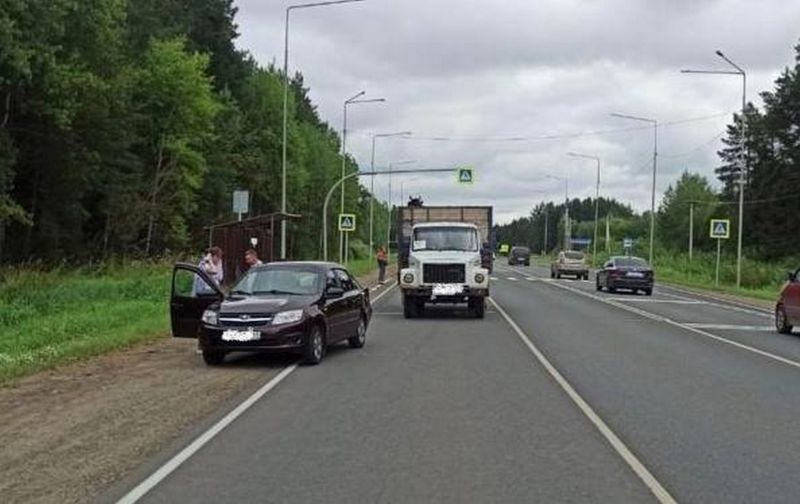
[125, 125]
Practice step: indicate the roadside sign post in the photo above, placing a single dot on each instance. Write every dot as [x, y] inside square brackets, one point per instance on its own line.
[627, 245]
[347, 224]
[465, 176]
[241, 203]
[721, 230]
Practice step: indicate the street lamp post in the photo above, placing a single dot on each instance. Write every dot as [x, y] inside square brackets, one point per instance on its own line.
[567, 225]
[389, 203]
[596, 202]
[353, 99]
[655, 169]
[372, 181]
[286, 104]
[742, 157]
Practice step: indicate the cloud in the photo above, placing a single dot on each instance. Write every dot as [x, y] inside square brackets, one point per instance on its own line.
[473, 70]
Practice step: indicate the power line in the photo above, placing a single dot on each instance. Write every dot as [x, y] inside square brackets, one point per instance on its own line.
[560, 136]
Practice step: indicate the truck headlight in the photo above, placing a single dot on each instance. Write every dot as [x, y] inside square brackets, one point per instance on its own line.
[479, 278]
[210, 317]
[287, 317]
[408, 278]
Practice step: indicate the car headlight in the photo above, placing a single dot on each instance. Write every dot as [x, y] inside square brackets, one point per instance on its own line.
[210, 317]
[479, 278]
[287, 317]
[408, 278]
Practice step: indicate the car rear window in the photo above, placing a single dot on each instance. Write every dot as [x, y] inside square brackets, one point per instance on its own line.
[520, 250]
[574, 255]
[630, 261]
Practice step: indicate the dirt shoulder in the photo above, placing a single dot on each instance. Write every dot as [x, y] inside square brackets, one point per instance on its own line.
[70, 433]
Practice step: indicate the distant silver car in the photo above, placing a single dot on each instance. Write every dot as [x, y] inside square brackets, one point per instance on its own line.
[570, 262]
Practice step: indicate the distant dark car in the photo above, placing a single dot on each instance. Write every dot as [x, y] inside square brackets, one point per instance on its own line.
[624, 272]
[787, 309]
[520, 255]
[298, 307]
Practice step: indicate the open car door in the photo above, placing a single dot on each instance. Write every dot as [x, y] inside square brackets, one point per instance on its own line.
[192, 293]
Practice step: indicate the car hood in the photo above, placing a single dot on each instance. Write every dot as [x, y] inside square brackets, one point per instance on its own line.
[264, 304]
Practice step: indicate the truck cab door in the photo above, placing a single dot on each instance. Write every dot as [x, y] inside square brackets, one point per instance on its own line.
[192, 293]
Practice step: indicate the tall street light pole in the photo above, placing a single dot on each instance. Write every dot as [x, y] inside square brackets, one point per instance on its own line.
[655, 169]
[353, 99]
[742, 156]
[567, 225]
[389, 203]
[372, 182]
[286, 104]
[596, 202]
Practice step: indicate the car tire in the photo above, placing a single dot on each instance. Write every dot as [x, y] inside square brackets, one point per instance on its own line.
[558, 275]
[213, 357]
[648, 292]
[597, 285]
[781, 321]
[360, 337]
[477, 307]
[552, 275]
[314, 348]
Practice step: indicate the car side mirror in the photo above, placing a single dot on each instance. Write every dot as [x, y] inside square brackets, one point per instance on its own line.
[334, 292]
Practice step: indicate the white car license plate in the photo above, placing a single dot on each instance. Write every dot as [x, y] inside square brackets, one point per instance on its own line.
[447, 289]
[635, 274]
[235, 335]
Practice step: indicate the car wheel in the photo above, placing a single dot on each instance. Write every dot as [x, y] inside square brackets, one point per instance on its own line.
[648, 292]
[597, 284]
[213, 357]
[477, 307]
[552, 275]
[558, 275]
[314, 349]
[358, 339]
[781, 321]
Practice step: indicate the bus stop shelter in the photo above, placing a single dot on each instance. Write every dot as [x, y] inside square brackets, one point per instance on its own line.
[261, 233]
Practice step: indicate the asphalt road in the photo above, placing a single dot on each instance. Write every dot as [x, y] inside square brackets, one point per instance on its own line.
[697, 394]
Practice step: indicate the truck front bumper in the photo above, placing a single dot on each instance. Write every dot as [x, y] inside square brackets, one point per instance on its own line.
[425, 293]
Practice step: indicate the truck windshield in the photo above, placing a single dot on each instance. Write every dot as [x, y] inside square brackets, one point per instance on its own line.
[445, 238]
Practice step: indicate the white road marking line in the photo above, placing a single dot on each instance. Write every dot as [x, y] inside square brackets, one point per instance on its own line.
[513, 279]
[165, 470]
[182, 456]
[725, 303]
[659, 492]
[730, 327]
[701, 332]
[656, 300]
[493, 278]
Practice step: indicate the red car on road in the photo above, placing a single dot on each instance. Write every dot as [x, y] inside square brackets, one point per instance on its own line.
[787, 310]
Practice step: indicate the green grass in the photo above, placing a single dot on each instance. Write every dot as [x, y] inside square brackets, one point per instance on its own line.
[51, 317]
[365, 265]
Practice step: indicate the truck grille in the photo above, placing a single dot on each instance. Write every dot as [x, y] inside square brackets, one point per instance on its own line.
[443, 273]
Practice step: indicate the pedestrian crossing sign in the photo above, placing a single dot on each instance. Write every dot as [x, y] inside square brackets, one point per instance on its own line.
[465, 175]
[721, 229]
[347, 222]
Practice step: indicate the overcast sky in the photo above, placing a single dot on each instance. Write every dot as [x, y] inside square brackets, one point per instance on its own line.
[481, 72]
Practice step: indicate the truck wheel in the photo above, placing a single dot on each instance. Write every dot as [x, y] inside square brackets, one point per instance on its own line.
[409, 307]
[477, 307]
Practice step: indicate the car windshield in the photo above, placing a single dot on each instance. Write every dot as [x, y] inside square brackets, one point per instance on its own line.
[577, 256]
[285, 281]
[630, 262]
[445, 238]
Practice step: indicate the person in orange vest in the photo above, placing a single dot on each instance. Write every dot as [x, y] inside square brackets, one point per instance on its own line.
[383, 261]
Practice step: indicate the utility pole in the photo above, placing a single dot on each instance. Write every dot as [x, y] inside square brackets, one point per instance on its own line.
[596, 202]
[546, 225]
[691, 228]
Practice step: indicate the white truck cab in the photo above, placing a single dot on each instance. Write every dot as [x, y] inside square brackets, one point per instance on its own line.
[444, 266]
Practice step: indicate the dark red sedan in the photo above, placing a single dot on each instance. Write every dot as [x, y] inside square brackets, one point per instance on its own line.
[299, 307]
[787, 309]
